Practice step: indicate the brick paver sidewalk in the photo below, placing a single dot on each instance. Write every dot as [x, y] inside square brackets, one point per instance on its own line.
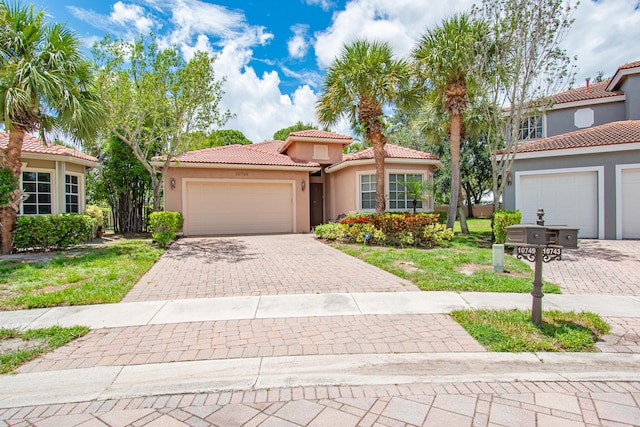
[302, 336]
[524, 404]
[258, 265]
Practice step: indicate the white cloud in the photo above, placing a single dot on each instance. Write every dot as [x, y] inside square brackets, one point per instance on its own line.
[297, 44]
[399, 22]
[324, 4]
[125, 14]
[604, 36]
[260, 106]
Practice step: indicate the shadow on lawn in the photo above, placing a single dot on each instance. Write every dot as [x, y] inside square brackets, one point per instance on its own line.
[211, 250]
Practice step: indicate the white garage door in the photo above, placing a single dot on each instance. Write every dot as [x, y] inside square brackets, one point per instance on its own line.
[226, 207]
[569, 199]
[630, 195]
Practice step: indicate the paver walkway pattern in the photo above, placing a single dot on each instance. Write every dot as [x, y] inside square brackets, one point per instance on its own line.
[308, 368]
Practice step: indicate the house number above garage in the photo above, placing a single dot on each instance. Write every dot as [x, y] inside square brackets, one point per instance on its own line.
[241, 173]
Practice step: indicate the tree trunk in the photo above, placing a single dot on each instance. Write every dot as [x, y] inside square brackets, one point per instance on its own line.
[378, 141]
[467, 192]
[9, 213]
[464, 229]
[454, 147]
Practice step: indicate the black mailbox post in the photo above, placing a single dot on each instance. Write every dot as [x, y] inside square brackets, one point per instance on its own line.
[539, 244]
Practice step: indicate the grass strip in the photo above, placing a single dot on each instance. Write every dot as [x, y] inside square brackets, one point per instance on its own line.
[512, 330]
[33, 343]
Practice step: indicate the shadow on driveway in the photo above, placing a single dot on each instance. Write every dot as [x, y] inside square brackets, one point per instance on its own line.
[211, 250]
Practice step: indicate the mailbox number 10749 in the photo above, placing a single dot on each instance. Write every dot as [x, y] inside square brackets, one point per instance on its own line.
[522, 250]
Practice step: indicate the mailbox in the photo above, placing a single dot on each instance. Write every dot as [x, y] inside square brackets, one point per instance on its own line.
[526, 234]
[566, 237]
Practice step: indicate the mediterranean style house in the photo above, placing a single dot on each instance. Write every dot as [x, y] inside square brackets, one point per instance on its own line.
[53, 177]
[286, 186]
[579, 160]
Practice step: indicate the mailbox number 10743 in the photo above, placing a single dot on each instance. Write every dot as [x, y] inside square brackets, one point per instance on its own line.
[522, 250]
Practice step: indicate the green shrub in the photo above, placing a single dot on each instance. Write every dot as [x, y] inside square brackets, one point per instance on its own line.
[392, 229]
[47, 232]
[106, 213]
[8, 184]
[96, 213]
[501, 220]
[164, 226]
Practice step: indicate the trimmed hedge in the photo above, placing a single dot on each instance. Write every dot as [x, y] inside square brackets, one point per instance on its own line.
[52, 232]
[501, 220]
[164, 226]
[389, 229]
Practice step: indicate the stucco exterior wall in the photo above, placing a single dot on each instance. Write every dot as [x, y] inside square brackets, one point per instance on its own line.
[562, 121]
[314, 151]
[173, 196]
[606, 160]
[631, 88]
[345, 186]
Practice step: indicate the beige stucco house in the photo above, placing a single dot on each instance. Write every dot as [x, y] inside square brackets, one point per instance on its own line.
[53, 177]
[286, 186]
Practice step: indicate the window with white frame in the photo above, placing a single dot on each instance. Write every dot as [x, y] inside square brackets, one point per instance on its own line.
[398, 197]
[367, 192]
[37, 189]
[72, 194]
[531, 128]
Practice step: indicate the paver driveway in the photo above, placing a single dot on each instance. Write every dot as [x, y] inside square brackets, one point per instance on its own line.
[258, 265]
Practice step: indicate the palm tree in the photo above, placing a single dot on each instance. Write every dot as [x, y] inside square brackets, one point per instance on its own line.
[363, 79]
[45, 85]
[417, 189]
[444, 57]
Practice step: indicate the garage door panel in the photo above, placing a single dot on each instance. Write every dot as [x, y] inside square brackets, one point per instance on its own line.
[567, 199]
[239, 208]
[630, 203]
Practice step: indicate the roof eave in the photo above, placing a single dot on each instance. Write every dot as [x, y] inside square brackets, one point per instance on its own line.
[620, 74]
[291, 139]
[587, 102]
[558, 152]
[390, 160]
[201, 165]
[59, 158]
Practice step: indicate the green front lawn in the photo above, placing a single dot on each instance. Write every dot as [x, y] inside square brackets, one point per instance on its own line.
[464, 264]
[91, 275]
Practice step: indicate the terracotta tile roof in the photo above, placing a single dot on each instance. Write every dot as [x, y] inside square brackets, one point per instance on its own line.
[32, 144]
[596, 91]
[629, 65]
[314, 133]
[272, 146]
[241, 155]
[623, 132]
[393, 152]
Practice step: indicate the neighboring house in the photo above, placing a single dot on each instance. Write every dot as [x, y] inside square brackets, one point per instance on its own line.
[286, 186]
[580, 160]
[52, 178]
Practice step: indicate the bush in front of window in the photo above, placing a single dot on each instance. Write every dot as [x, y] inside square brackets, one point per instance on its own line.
[389, 229]
[52, 232]
[164, 226]
[96, 213]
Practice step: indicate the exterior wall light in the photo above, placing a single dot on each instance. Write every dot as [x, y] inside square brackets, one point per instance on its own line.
[509, 179]
[304, 184]
[172, 182]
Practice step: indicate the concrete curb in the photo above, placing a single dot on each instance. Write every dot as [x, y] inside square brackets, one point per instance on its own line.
[116, 382]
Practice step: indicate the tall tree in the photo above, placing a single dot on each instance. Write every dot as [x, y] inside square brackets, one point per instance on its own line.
[364, 78]
[217, 138]
[519, 66]
[444, 56]
[45, 85]
[282, 134]
[154, 99]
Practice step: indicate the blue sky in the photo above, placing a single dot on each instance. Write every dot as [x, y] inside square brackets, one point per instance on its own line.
[274, 53]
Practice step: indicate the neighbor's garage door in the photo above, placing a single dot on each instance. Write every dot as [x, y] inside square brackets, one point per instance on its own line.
[567, 199]
[238, 208]
[630, 202]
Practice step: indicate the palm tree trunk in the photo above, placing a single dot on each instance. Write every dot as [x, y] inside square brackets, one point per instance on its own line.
[378, 141]
[454, 147]
[9, 213]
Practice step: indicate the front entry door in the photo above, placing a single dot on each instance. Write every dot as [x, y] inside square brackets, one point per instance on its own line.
[316, 205]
